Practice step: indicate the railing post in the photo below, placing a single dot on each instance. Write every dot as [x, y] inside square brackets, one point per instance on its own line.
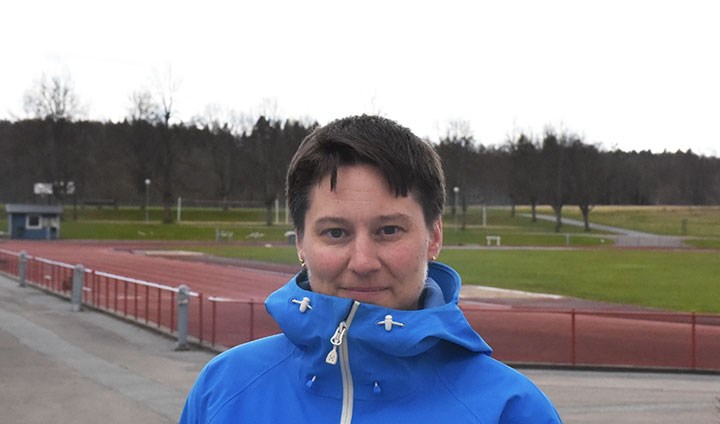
[183, 300]
[693, 342]
[200, 317]
[252, 319]
[573, 337]
[22, 268]
[77, 287]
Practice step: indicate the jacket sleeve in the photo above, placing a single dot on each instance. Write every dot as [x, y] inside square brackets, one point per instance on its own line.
[195, 409]
[530, 408]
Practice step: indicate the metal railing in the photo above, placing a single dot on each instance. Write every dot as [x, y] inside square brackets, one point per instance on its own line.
[643, 339]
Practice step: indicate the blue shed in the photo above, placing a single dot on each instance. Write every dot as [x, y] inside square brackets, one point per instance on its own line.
[34, 222]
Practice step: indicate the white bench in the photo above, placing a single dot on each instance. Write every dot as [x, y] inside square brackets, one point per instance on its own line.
[490, 239]
[223, 235]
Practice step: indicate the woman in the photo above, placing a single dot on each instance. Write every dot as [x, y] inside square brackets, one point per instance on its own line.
[372, 332]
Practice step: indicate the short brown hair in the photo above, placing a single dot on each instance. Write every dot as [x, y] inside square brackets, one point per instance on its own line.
[409, 164]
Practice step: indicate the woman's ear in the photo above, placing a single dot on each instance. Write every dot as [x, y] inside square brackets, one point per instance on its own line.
[436, 238]
[299, 247]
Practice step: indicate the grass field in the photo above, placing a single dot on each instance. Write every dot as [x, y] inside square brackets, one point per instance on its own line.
[686, 280]
[672, 280]
[126, 223]
[195, 231]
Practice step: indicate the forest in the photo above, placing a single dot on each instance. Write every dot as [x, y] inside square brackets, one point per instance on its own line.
[211, 162]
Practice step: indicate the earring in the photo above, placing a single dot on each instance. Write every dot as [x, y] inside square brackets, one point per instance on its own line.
[302, 261]
[433, 258]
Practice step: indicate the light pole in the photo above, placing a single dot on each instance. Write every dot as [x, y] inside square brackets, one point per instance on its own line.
[456, 190]
[147, 199]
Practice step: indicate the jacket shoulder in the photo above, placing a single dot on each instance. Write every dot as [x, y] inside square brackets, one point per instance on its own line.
[230, 373]
[480, 383]
[250, 359]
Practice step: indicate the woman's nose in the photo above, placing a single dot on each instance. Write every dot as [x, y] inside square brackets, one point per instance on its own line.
[364, 256]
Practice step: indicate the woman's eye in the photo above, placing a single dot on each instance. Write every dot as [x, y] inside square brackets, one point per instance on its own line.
[389, 230]
[335, 233]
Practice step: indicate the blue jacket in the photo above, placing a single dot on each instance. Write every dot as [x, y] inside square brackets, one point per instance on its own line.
[340, 361]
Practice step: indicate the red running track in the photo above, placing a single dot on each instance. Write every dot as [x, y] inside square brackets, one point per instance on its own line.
[517, 334]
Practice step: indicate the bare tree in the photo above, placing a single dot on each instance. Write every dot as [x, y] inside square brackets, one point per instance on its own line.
[142, 107]
[54, 101]
[53, 98]
[166, 88]
[374, 106]
[587, 177]
[222, 146]
[458, 129]
[555, 170]
[143, 141]
[526, 173]
[268, 109]
[458, 152]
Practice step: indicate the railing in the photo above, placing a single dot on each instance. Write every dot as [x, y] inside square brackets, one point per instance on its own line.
[149, 303]
[600, 338]
[212, 321]
[534, 336]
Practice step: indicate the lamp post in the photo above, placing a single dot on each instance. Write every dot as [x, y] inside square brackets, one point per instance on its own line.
[147, 199]
[456, 190]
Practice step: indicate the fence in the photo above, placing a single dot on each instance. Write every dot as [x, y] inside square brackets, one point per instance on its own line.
[211, 321]
[600, 338]
[686, 341]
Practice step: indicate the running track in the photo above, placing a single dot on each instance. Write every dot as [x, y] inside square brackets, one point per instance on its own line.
[516, 334]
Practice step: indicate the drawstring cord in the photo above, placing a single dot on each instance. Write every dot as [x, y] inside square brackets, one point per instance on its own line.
[304, 304]
[388, 323]
[310, 382]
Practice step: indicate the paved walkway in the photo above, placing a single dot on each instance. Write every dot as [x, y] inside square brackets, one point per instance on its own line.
[85, 367]
[59, 366]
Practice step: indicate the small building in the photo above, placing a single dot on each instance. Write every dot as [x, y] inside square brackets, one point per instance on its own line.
[34, 222]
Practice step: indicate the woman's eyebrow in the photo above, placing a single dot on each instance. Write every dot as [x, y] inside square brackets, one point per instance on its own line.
[394, 217]
[340, 221]
[330, 220]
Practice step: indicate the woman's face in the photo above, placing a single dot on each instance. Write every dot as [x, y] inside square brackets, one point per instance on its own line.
[364, 243]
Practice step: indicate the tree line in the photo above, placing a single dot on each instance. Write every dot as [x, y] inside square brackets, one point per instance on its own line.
[215, 159]
[560, 169]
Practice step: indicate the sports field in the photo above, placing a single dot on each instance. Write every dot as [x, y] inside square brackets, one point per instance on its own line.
[616, 293]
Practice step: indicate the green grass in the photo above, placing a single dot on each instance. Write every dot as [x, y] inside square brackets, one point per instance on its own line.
[188, 214]
[275, 254]
[670, 280]
[704, 243]
[107, 230]
[197, 224]
[673, 280]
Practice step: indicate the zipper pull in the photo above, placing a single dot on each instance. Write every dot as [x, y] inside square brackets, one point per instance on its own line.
[336, 341]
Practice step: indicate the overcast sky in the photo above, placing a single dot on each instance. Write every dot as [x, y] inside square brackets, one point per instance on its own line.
[626, 74]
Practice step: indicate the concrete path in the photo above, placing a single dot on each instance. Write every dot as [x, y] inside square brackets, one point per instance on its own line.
[624, 237]
[86, 367]
[601, 397]
[59, 366]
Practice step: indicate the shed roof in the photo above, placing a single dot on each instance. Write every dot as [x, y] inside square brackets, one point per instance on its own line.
[48, 209]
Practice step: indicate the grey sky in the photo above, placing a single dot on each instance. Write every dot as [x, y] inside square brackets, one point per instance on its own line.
[628, 74]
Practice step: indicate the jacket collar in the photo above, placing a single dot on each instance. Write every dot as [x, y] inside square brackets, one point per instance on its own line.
[380, 339]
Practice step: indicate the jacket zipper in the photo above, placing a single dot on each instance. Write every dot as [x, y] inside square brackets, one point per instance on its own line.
[332, 358]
